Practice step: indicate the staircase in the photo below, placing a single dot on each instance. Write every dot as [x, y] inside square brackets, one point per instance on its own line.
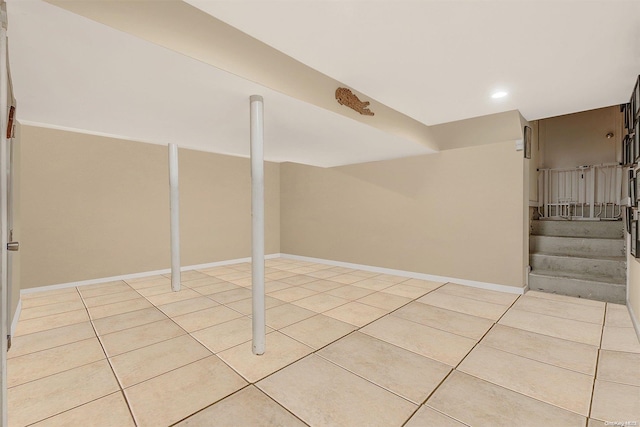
[579, 258]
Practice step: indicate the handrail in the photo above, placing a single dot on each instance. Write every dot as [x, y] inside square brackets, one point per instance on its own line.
[582, 192]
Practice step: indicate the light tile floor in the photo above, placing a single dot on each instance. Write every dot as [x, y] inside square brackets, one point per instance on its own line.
[344, 348]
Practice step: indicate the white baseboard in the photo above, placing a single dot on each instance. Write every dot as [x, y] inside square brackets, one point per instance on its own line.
[381, 270]
[634, 319]
[138, 275]
[16, 316]
[411, 274]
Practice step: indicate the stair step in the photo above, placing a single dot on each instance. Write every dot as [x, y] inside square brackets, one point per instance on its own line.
[600, 267]
[578, 286]
[599, 229]
[577, 246]
[580, 276]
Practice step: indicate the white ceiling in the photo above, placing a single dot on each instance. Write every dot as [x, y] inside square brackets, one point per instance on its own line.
[439, 61]
[436, 61]
[72, 73]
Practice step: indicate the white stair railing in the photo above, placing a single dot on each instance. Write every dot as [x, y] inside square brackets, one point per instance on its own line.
[585, 192]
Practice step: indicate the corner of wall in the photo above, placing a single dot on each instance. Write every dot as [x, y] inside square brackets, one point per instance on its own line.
[414, 214]
[633, 288]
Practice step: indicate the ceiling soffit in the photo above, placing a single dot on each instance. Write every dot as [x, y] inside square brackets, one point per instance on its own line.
[185, 29]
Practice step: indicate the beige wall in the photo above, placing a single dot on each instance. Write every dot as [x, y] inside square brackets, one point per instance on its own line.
[580, 139]
[534, 163]
[215, 207]
[95, 207]
[458, 213]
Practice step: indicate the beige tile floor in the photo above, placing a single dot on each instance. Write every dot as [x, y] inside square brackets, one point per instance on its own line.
[344, 348]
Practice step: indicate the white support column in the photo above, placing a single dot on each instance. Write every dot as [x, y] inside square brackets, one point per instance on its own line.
[257, 224]
[3, 210]
[175, 217]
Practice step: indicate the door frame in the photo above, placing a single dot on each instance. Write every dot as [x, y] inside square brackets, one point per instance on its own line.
[4, 204]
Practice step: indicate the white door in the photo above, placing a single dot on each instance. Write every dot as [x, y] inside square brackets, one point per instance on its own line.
[5, 208]
[12, 245]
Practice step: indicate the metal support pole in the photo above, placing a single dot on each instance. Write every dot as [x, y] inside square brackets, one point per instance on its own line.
[592, 192]
[3, 210]
[547, 185]
[257, 224]
[175, 217]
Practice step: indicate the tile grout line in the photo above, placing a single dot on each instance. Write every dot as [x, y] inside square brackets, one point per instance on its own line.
[537, 296]
[115, 302]
[185, 333]
[23, 321]
[198, 341]
[364, 378]
[124, 396]
[506, 388]
[341, 285]
[59, 372]
[187, 299]
[322, 312]
[319, 312]
[446, 415]
[39, 295]
[268, 375]
[171, 370]
[208, 296]
[420, 405]
[556, 317]
[432, 327]
[106, 285]
[455, 368]
[595, 374]
[243, 316]
[129, 327]
[540, 361]
[352, 283]
[75, 407]
[281, 405]
[486, 333]
[552, 336]
[65, 370]
[208, 406]
[91, 320]
[315, 351]
[444, 330]
[49, 348]
[26, 310]
[523, 394]
[544, 335]
[477, 299]
[120, 354]
[358, 328]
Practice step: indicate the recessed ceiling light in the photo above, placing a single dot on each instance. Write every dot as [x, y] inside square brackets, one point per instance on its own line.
[500, 94]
